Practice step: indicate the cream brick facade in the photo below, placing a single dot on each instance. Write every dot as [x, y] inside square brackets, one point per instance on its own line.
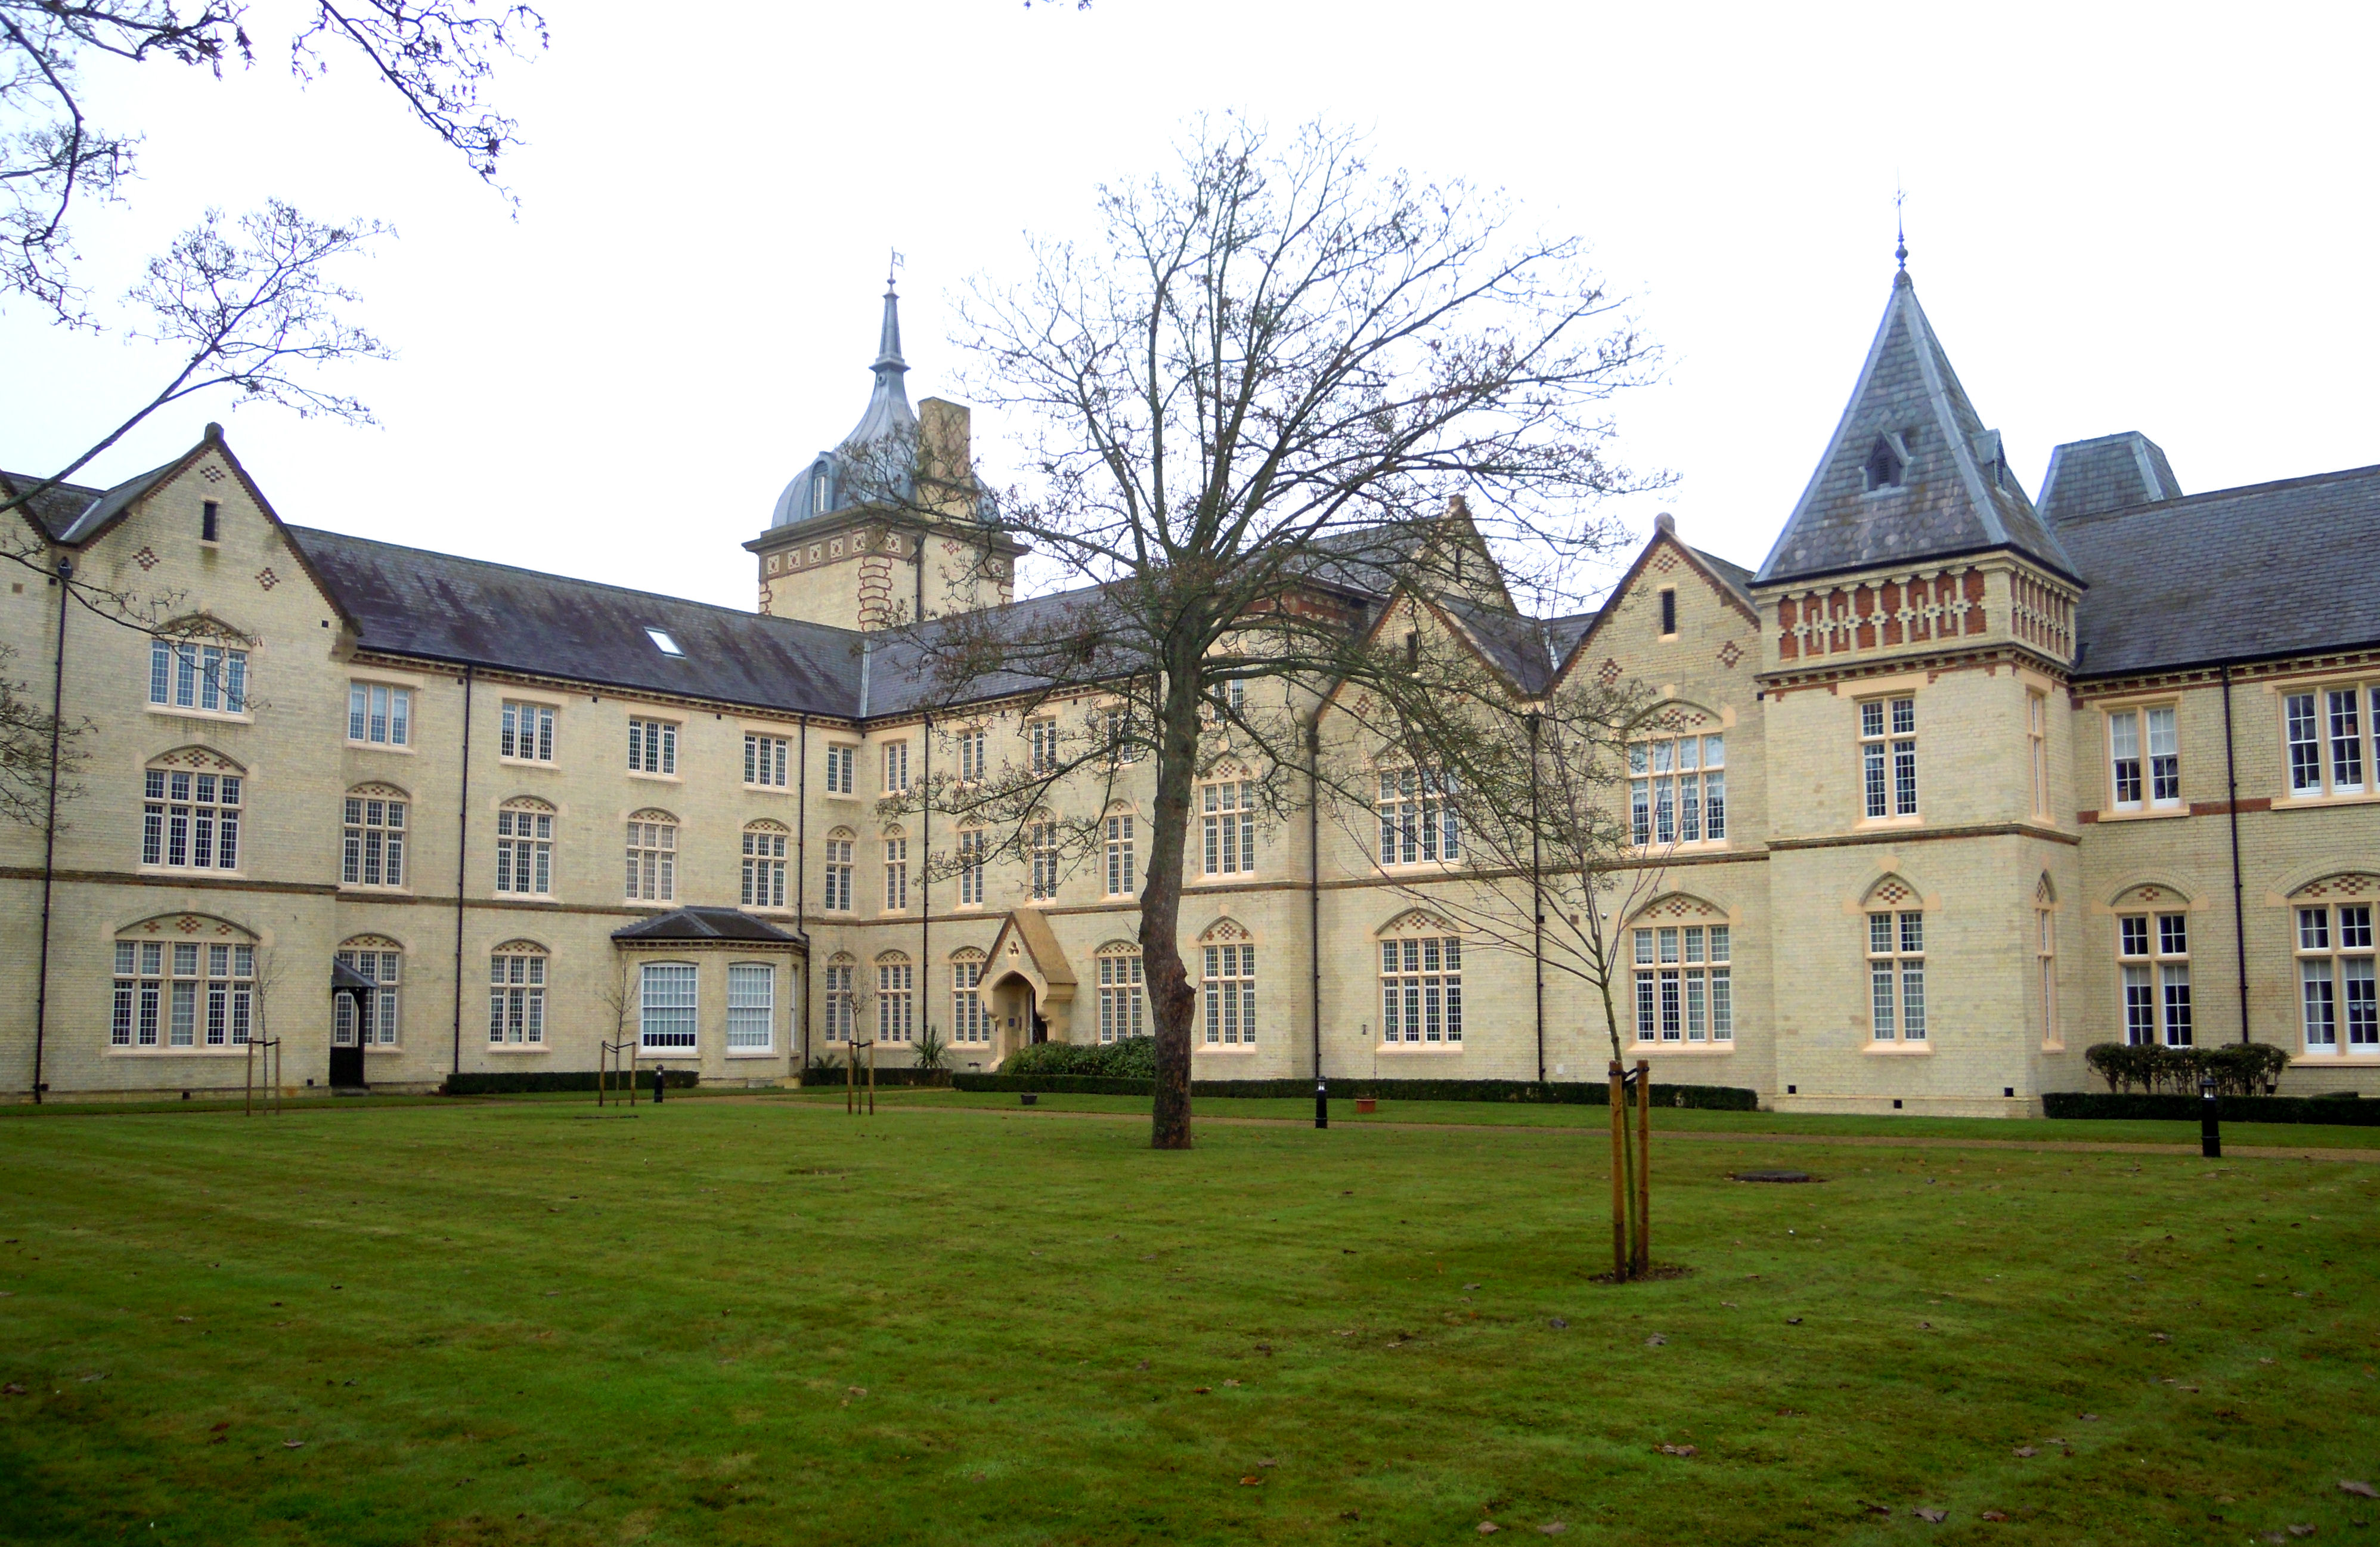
[1976, 641]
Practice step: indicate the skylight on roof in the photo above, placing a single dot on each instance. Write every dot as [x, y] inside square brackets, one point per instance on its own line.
[663, 642]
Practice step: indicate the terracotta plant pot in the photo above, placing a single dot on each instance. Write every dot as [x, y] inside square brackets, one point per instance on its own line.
[1367, 1103]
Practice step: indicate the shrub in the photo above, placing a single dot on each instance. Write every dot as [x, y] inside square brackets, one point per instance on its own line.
[1720, 1098]
[2229, 1109]
[1133, 1058]
[514, 1082]
[2237, 1068]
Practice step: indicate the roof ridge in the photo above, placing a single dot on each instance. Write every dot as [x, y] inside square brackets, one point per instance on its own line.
[2304, 481]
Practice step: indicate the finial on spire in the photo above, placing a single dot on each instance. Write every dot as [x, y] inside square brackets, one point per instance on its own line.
[1899, 227]
[891, 267]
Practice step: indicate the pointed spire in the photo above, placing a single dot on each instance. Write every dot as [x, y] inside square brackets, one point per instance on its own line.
[888, 343]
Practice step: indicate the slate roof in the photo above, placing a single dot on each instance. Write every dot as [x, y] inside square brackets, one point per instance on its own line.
[1738, 579]
[469, 611]
[70, 512]
[1955, 494]
[2193, 581]
[707, 923]
[2109, 473]
[1519, 647]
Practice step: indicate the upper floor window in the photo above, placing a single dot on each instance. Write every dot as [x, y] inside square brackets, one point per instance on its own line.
[768, 759]
[896, 873]
[2335, 979]
[2326, 731]
[971, 748]
[1119, 857]
[1041, 736]
[2154, 953]
[652, 746]
[379, 961]
[190, 821]
[969, 1025]
[378, 713]
[527, 733]
[838, 871]
[2145, 758]
[1421, 991]
[1896, 967]
[974, 843]
[896, 767]
[525, 849]
[895, 999]
[372, 851]
[653, 857]
[210, 521]
[1885, 461]
[1668, 611]
[1229, 817]
[1123, 1009]
[842, 762]
[1677, 790]
[764, 865]
[1889, 756]
[1417, 818]
[516, 995]
[186, 674]
[2036, 741]
[181, 994]
[1041, 850]
[1230, 995]
[1685, 985]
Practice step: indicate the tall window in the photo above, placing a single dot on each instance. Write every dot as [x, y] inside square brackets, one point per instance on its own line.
[369, 960]
[181, 994]
[895, 1002]
[1041, 736]
[1119, 845]
[2326, 738]
[190, 821]
[1889, 756]
[1230, 816]
[1417, 818]
[1123, 1011]
[767, 760]
[2036, 738]
[751, 1006]
[668, 1012]
[969, 1025]
[516, 995]
[2335, 979]
[1677, 790]
[1041, 848]
[1896, 972]
[1421, 991]
[838, 1003]
[2154, 955]
[896, 873]
[186, 675]
[971, 742]
[2045, 963]
[842, 764]
[373, 850]
[653, 857]
[838, 875]
[1685, 985]
[896, 767]
[764, 865]
[652, 746]
[527, 732]
[1231, 985]
[973, 843]
[2145, 758]
[378, 713]
[525, 849]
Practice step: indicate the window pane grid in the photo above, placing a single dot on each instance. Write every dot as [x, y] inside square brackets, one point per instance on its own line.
[1896, 950]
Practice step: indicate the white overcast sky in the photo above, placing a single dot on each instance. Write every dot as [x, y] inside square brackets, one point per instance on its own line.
[2154, 217]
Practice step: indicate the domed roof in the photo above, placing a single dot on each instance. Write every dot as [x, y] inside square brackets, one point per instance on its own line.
[884, 438]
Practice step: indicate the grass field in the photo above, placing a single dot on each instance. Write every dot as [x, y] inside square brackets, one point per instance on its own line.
[725, 1321]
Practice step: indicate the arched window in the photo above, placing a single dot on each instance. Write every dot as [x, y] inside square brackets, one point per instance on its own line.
[1118, 828]
[2045, 959]
[974, 844]
[183, 984]
[372, 851]
[516, 995]
[192, 804]
[895, 998]
[2153, 957]
[1896, 962]
[1228, 822]
[653, 857]
[1228, 959]
[838, 870]
[764, 864]
[1122, 1005]
[1681, 958]
[969, 1025]
[839, 969]
[1421, 983]
[381, 960]
[896, 870]
[525, 849]
[2332, 918]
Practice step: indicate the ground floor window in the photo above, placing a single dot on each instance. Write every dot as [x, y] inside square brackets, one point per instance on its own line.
[2154, 952]
[1231, 984]
[969, 1025]
[1123, 1011]
[181, 994]
[895, 1002]
[751, 1006]
[380, 1020]
[668, 1005]
[2335, 979]
[516, 996]
[838, 1003]
[1896, 968]
[1685, 984]
[1421, 991]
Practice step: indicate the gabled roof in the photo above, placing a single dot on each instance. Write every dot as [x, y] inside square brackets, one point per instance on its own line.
[72, 515]
[2194, 581]
[1955, 495]
[707, 923]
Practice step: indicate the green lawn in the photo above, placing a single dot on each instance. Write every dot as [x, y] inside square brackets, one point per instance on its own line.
[766, 1322]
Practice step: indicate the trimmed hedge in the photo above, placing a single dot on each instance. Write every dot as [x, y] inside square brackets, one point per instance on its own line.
[2237, 1068]
[837, 1076]
[514, 1082]
[1719, 1098]
[2231, 1108]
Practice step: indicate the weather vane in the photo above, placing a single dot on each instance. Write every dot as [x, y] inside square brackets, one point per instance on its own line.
[893, 267]
[1899, 227]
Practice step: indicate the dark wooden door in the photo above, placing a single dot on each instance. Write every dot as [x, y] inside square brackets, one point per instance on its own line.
[350, 1025]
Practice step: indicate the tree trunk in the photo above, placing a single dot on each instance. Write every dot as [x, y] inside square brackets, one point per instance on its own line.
[1172, 1001]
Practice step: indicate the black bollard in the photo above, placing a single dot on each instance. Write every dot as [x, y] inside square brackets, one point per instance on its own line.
[657, 1085]
[1321, 1102]
[2210, 1131]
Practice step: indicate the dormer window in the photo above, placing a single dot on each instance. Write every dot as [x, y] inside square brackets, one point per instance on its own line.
[819, 477]
[663, 642]
[1886, 463]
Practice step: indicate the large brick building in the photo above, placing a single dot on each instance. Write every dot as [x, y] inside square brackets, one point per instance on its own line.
[1977, 781]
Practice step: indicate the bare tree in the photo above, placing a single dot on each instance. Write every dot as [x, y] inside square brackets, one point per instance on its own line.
[26, 732]
[1252, 406]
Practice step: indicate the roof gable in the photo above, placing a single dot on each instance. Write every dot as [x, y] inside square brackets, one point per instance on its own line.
[1729, 580]
[1949, 488]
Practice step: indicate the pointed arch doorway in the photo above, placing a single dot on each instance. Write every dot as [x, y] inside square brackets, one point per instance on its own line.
[1029, 985]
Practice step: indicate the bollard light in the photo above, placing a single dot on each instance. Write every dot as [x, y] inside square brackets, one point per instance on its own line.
[2210, 1110]
[657, 1082]
[1321, 1102]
